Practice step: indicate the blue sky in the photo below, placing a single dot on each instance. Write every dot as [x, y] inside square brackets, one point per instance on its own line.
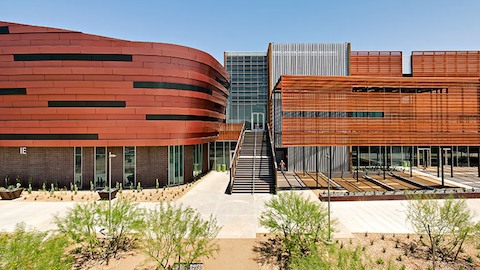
[245, 25]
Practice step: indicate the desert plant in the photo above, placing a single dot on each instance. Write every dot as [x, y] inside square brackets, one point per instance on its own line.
[80, 226]
[122, 221]
[24, 249]
[447, 224]
[139, 187]
[100, 230]
[6, 180]
[299, 223]
[333, 258]
[173, 233]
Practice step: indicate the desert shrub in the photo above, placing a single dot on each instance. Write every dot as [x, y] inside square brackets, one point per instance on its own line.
[101, 231]
[333, 258]
[299, 223]
[446, 223]
[174, 234]
[24, 249]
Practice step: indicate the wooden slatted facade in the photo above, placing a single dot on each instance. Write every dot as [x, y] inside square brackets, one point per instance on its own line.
[229, 132]
[374, 111]
[376, 63]
[446, 63]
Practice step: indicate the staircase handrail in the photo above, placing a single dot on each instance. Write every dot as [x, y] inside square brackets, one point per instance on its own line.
[254, 158]
[274, 159]
[235, 158]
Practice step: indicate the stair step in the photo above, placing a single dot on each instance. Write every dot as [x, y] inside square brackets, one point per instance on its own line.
[255, 149]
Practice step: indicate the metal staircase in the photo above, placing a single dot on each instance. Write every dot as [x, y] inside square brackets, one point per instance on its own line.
[254, 169]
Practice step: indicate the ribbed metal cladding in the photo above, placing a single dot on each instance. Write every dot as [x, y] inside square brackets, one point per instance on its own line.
[303, 158]
[328, 59]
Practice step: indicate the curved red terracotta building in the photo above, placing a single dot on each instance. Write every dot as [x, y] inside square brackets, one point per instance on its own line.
[67, 99]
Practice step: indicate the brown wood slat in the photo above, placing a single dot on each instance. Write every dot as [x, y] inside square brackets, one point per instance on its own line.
[377, 63]
[446, 63]
[430, 118]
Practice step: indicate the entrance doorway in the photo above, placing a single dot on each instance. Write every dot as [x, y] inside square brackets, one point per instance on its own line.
[258, 121]
[424, 157]
[446, 156]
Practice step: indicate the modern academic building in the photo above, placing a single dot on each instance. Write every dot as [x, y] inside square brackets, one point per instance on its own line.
[376, 109]
[68, 99]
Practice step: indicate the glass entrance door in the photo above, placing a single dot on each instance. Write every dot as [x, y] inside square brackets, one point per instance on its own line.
[424, 157]
[175, 165]
[258, 121]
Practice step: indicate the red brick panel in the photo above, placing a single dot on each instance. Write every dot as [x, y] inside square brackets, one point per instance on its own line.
[205, 158]
[188, 164]
[152, 163]
[106, 80]
[43, 165]
[88, 169]
[117, 164]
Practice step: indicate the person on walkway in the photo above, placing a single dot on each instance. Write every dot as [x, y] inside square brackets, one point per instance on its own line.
[282, 165]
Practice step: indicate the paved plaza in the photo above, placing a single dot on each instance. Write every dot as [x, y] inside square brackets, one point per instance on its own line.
[237, 214]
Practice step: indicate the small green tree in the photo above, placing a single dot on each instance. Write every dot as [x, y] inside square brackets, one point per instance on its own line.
[24, 249]
[79, 225]
[446, 223]
[299, 223]
[122, 222]
[177, 234]
[102, 231]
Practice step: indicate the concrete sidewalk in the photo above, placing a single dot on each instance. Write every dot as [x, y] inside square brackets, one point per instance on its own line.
[238, 213]
[38, 215]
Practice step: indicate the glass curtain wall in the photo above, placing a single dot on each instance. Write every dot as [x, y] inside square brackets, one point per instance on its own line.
[175, 165]
[248, 86]
[100, 167]
[78, 166]
[129, 162]
[197, 159]
[221, 154]
[371, 157]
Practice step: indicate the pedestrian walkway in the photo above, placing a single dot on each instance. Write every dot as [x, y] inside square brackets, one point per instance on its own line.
[238, 213]
[465, 177]
[38, 215]
[289, 180]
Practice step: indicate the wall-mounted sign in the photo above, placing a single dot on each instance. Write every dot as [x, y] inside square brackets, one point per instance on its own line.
[23, 150]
